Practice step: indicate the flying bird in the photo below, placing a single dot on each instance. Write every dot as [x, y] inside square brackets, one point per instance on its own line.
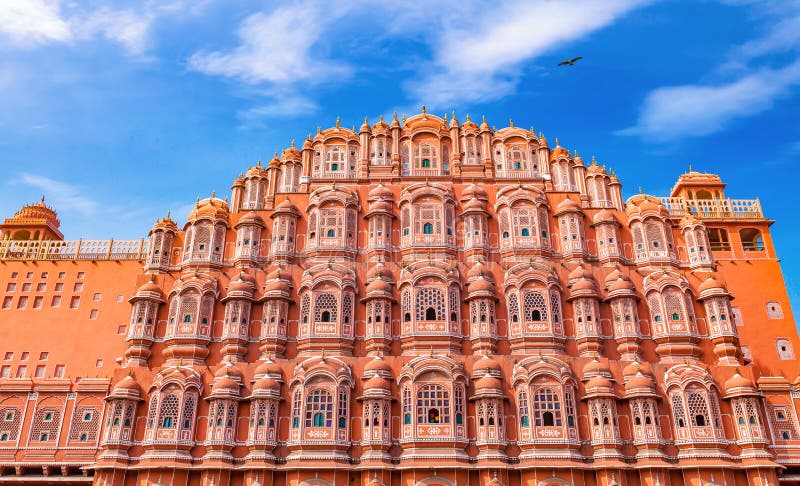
[571, 62]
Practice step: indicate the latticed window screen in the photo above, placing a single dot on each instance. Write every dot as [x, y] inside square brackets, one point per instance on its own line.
[648, 412]
[784, 423]
[455, 304]
[407, 405]
[678, 412]
[430, 298]
[319, 409]
[305, 307]
[654, 303]
[296, 404]
[187, 417]
[335, 159]
[547, 408]
[569, 401]
[85, 424]
[188, 308]
[458, 403]
[10, 422]
[428, 214]
[672, 302]
[46, 422]
[433, 405]
[714, 405]
[347, 307]
[513, 307]
[524, 411]
[326, 302]
[555, 306]
[425, 152]
[503, 223]
[331, 222]
[698, 409]
[343, 406]
[152, 412]
[168, 415]
[654, 234]
[525, 222]
[535, 306]
[516, 158]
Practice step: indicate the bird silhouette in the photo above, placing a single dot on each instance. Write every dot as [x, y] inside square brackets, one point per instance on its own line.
[571, 62]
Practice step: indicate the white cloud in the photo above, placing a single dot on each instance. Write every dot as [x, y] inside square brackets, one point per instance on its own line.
[480, 57]
[673, 112]
[695, 110]
[277, 47]
[62, 195]
[33, 22]
[29, 23]
[282, 106]
[125, 27]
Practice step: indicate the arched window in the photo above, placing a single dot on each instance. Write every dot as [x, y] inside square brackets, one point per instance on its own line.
[547, 408]
[433, 405]
[319, 409]
[751, 239]
[427, 229]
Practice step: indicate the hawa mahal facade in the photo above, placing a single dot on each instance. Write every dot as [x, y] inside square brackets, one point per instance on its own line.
[421, 302]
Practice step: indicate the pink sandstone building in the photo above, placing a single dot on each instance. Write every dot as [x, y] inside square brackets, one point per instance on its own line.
[416, 303]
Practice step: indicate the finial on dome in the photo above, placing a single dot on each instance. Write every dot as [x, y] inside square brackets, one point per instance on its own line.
[483, 118]
[333, 185]
[366, 120]
[380, 118]
[467, 118]
[169, 214]
[690, 168]
[338, 122]
[226, 199]
[308, 136]
[197, 202]
[213, 194]
[292, 143]
[42, 200]
[319, 129]
[445, 117]
[258, 163]
[594, 161]
[494, 128]
[511, 122]
[424, 111]
[404, 118]
[276, 154]
[395, 116]
[575, 153]
[454, 114]
[557, 142]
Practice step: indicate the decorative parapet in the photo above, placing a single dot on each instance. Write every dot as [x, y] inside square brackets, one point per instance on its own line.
[714, 208]
[73, 250]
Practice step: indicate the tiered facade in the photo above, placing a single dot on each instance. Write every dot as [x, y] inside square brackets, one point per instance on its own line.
[423, 302]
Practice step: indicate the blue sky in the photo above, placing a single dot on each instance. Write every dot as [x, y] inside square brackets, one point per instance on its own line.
[118, 111]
